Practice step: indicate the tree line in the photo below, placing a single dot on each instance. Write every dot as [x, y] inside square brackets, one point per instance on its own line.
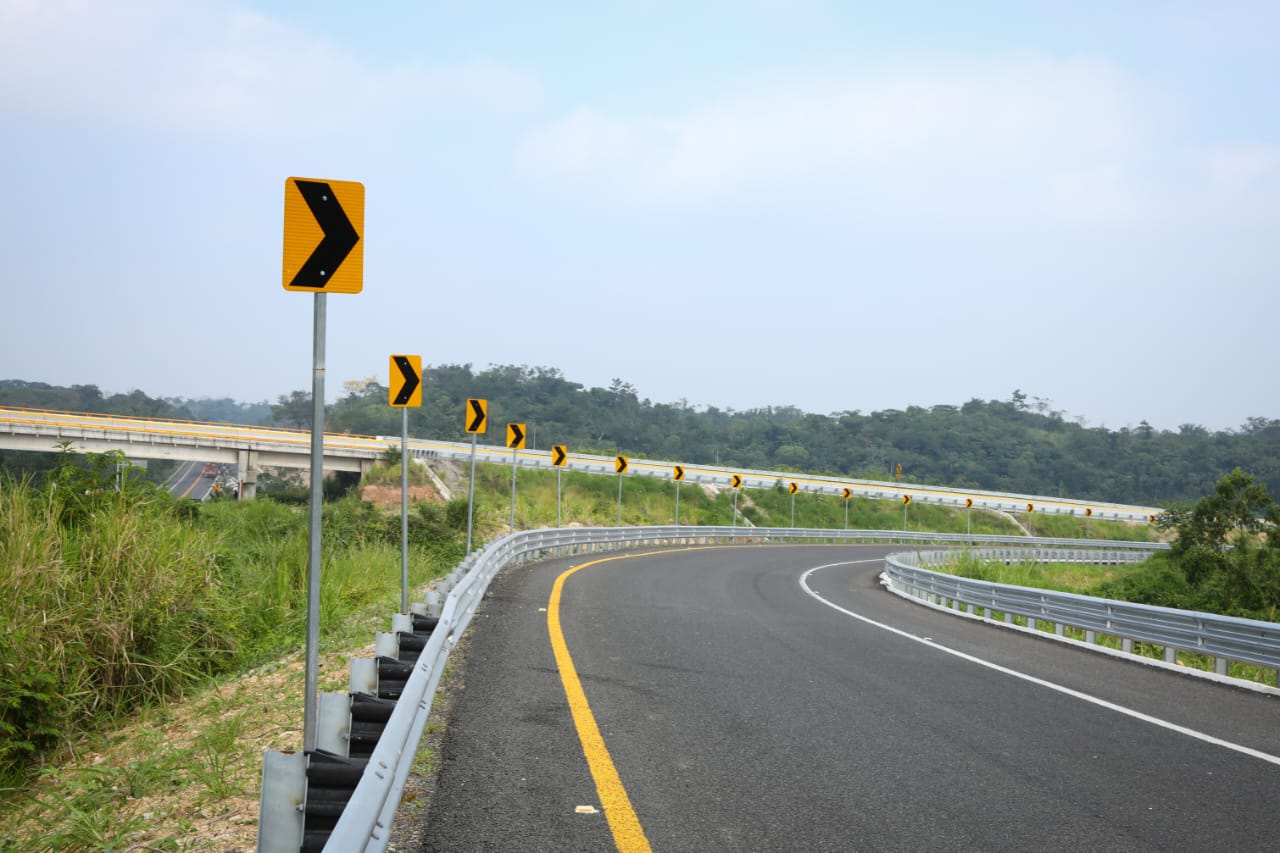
[1020, 444]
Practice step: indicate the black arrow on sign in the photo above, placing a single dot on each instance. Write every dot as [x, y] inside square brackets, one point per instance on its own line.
[478, 419]
[340, 235]
[679, 472]
[411, 380]
[517, 435]
[557, 455]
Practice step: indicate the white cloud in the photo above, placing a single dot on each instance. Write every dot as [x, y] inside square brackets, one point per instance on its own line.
[1068, 141]
[216, 68]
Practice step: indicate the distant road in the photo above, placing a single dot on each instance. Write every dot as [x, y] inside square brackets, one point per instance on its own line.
[744, 709]
[188, 481]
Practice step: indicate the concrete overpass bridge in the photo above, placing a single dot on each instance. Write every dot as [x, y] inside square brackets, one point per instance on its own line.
[251, 449]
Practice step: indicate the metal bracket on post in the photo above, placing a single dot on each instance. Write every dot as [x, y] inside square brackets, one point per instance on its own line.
[364, 676]
[281, 821]
[333, 724]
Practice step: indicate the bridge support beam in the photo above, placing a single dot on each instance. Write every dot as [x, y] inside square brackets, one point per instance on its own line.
[247, 466]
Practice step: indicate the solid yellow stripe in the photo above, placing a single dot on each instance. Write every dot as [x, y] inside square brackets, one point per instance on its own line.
[628, 834]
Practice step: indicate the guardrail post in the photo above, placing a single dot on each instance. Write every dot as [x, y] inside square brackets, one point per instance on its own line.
[284, 793]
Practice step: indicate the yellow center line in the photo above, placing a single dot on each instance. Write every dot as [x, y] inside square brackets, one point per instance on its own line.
[628, 834]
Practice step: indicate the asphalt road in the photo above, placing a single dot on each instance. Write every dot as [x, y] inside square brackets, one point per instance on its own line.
[776, 698]
[187, 481]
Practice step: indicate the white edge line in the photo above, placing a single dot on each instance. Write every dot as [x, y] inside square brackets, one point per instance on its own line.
[1076, 694]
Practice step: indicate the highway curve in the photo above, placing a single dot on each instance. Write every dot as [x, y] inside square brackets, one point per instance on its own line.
[776, 698]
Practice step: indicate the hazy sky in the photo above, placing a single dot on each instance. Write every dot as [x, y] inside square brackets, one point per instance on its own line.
[832, 205]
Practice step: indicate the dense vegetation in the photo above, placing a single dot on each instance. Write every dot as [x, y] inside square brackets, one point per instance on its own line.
[1225, 557]
[1019, 445]
[118, 595]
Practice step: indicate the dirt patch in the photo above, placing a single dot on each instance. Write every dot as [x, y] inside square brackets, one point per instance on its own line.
[388, 497]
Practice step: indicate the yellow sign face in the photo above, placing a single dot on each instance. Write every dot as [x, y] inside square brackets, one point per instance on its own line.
[477, 415]
[1088, 511]
[906, 499]
[848, 493]
[968, 502]
[323, 236]
[405, 389]
[559, 455]
[677, 473]
[794, 488]
[737, 481]
[1031, 507]
[620, 464]
[515, 436]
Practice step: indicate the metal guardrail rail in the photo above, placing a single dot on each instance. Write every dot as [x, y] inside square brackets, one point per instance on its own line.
[1224, 638]
[366, 818]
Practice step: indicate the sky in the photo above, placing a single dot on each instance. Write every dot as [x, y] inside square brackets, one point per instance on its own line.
[838, 206]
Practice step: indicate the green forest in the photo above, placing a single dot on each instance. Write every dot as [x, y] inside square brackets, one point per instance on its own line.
[1021, 444]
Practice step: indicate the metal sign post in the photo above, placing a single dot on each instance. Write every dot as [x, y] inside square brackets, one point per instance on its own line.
[515, 440]
[323, 254]
[677, 474]
[559, 456]
[477, 421]
[312, 678]
[404, 391]
[512, 525]
[404, 510]
[471, 492]
[620, 466]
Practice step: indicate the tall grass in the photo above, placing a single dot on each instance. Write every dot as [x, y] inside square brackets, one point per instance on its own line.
[116, 595]
[119, 608]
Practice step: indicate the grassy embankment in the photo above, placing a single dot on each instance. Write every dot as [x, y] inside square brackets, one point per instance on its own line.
[116, 602]
[593, 499]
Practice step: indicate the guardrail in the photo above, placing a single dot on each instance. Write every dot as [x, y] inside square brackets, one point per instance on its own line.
[1224, 638]
[354, 800]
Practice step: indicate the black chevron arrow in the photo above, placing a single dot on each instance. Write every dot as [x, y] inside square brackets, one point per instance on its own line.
[557, 455]
[679, 472]
[340, 235]
[477, 420]
[411, 380]
[516, 438]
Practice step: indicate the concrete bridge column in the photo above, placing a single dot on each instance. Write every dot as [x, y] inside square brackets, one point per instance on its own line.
[247, 465]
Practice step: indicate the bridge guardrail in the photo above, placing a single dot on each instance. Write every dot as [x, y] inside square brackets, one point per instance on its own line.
[367, 817]
[34, 429]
